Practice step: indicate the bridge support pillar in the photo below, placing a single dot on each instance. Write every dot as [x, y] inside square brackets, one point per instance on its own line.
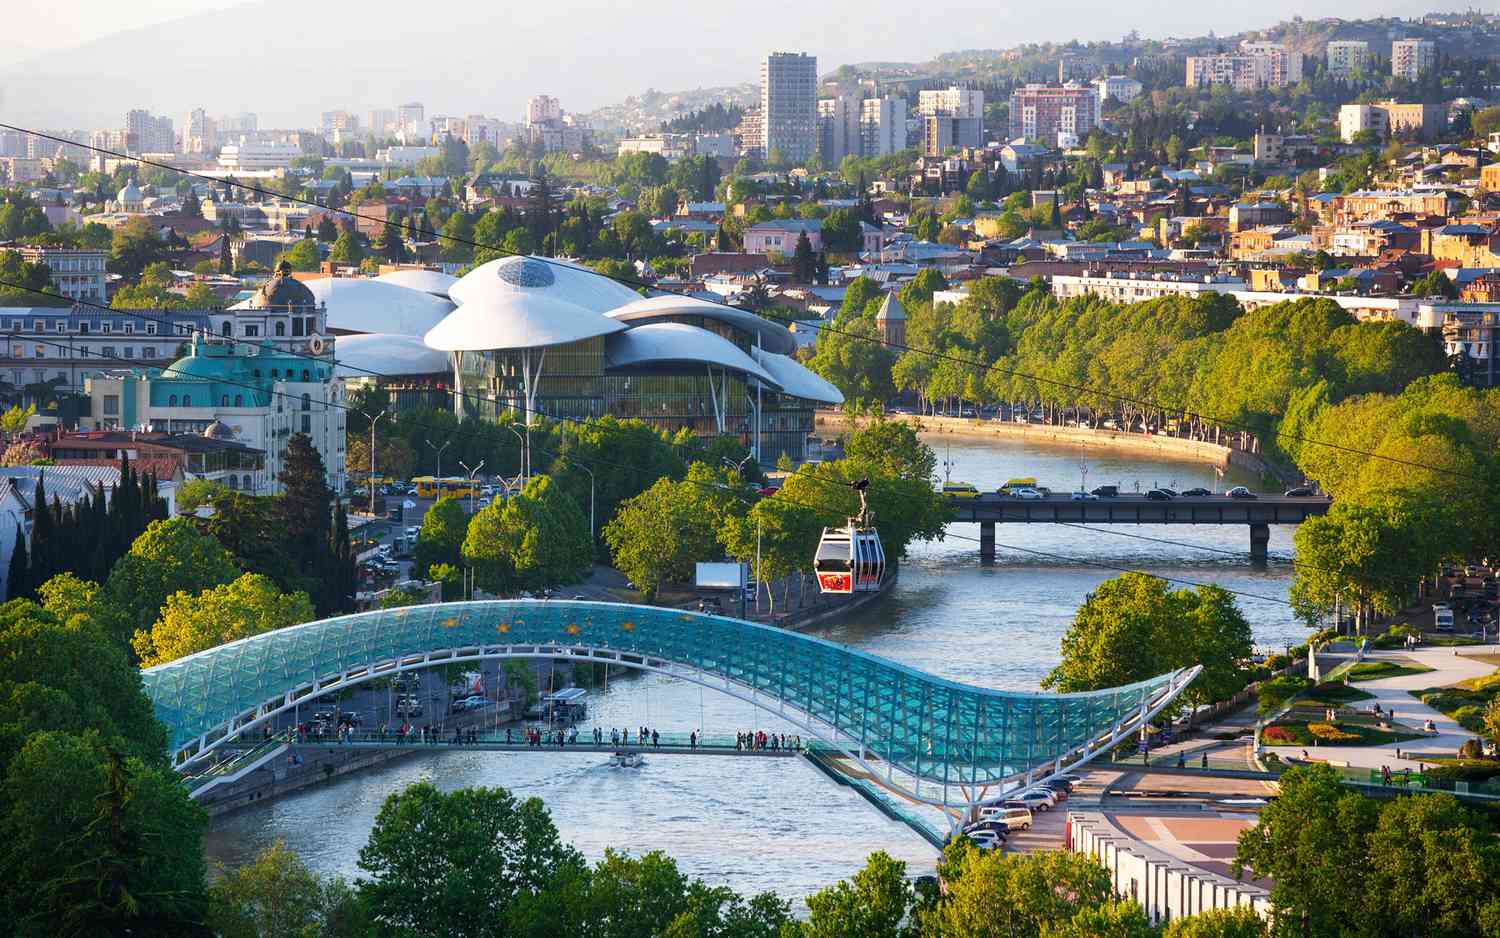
[1260, 536]
[987, 541]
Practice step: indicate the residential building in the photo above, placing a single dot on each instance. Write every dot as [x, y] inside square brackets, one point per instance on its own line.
[241, 123]
[1119, 87]
[1392, 119]
[406, 156]
[838, 129]
[1054, 115]
[1136, 287]
[1255, 214]
[543, 109]
[200, 133]
[1346, 57]
[339, 122]
[480, 129]
[1413, 58]
[882, 126]
[381, 121]
[788, 104]
[411, 120]
[1255, 65]
[66, 346]
[1489, 178]
[147, 133]
[952, 118]
[253, 395]
[751, 133]
[76, 274]
[172, 457]
[782, 235]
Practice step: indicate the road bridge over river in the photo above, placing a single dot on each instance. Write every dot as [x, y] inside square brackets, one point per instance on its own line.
[1258, 514]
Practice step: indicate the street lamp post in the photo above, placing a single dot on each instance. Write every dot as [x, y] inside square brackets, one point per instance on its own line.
[468, 572]
[372, 455]
[522, 441]
[437, 452]
[739, 467]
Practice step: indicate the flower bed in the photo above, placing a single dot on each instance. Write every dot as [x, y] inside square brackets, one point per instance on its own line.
[1330, 733]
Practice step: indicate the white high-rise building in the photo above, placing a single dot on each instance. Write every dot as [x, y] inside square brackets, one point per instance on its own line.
[1122, 88]
[200, 134]
[382, 121]
[480, 129]
[882, 126]
[951, 117]
[838, 129]
[1256, 65]
[789, 104]
[1347, 56]
[1412, 58]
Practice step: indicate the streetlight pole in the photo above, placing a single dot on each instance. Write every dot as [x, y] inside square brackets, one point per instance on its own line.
[437, 452]
[468, 584]
[521, 440]
[372, 455]
[739, 467]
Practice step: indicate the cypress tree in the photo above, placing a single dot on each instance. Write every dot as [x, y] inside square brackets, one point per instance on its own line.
[18, 579]
[41, 534]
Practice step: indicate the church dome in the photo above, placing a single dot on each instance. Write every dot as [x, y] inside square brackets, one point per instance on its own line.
[129, 194]
[218, 430]
[282, 291]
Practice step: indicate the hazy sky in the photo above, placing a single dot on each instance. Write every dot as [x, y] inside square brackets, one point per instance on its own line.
[44, 25]
[288, 60]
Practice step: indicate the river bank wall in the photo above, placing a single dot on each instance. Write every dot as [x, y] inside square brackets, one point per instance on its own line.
[1083, 438]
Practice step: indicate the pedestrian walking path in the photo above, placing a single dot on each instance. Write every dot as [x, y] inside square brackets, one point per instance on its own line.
[1449, 666]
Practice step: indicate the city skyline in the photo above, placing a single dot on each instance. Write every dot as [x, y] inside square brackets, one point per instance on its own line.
[300, 75]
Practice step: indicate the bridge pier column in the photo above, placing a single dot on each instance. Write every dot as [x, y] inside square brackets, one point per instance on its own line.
[1260, 536]
[987, 541]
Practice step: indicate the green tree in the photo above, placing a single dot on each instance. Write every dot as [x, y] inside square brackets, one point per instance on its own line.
[533, 540]
[303, 256]
[1134, 626]
[169, 557]
[659, 535]
[804, 262]
[96, 843]
[1433, 865]
[190, 623]
[875, 904]
[991, 894]
[276, 894]
[1436, 284]
[392, 244]
[458, 239]
[1238, 922]
[457, 864]
[133, 246]
[347, 249]
[853, 359]
[307, 511]
[441, 537]
[1311, 842]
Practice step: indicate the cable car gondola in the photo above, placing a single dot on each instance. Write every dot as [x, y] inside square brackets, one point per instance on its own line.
[851, 559]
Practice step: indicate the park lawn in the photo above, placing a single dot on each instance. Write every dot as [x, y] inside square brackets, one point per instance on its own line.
[1296, 733]
[1375, 670]
[1334, 694]
[1464, 701]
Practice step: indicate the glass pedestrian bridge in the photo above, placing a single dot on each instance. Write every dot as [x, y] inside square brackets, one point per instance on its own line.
[924, 738]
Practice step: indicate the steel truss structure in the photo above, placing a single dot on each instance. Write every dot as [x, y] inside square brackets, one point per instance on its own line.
[927, 739]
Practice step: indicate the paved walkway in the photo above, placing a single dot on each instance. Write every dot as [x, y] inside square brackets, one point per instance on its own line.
[1393, 695]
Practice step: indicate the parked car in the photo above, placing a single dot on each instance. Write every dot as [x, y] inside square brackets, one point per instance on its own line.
[1301, 491]
[1029, 494]
[1047, 794]
[1197, 493]
[995, 827]
[1239, 491]
[1159, 495]
[1107, 491]
[985, 840]
[1009, 818]
[1035, 800]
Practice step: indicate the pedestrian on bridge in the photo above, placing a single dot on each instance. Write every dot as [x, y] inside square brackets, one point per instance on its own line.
[693, 739]
[656, 739]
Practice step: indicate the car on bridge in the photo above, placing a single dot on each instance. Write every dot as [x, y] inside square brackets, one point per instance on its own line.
[1107, 491]
[1239, 491]
[1081, 496]
[960, 490]
[1160, 495]
[1028, 494]
[1301, 491]
[1196, 493]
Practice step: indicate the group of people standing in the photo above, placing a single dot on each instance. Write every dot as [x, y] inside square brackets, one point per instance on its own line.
[760, 740]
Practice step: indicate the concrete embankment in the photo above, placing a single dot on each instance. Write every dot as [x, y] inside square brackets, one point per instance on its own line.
[1115, 441]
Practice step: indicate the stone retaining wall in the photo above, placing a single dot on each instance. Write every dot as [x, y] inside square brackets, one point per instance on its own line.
[1116, 441]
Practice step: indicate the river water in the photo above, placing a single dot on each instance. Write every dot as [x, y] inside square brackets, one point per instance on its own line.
[778, 824]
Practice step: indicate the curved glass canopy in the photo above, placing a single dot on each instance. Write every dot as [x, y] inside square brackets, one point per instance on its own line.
[890, 718]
